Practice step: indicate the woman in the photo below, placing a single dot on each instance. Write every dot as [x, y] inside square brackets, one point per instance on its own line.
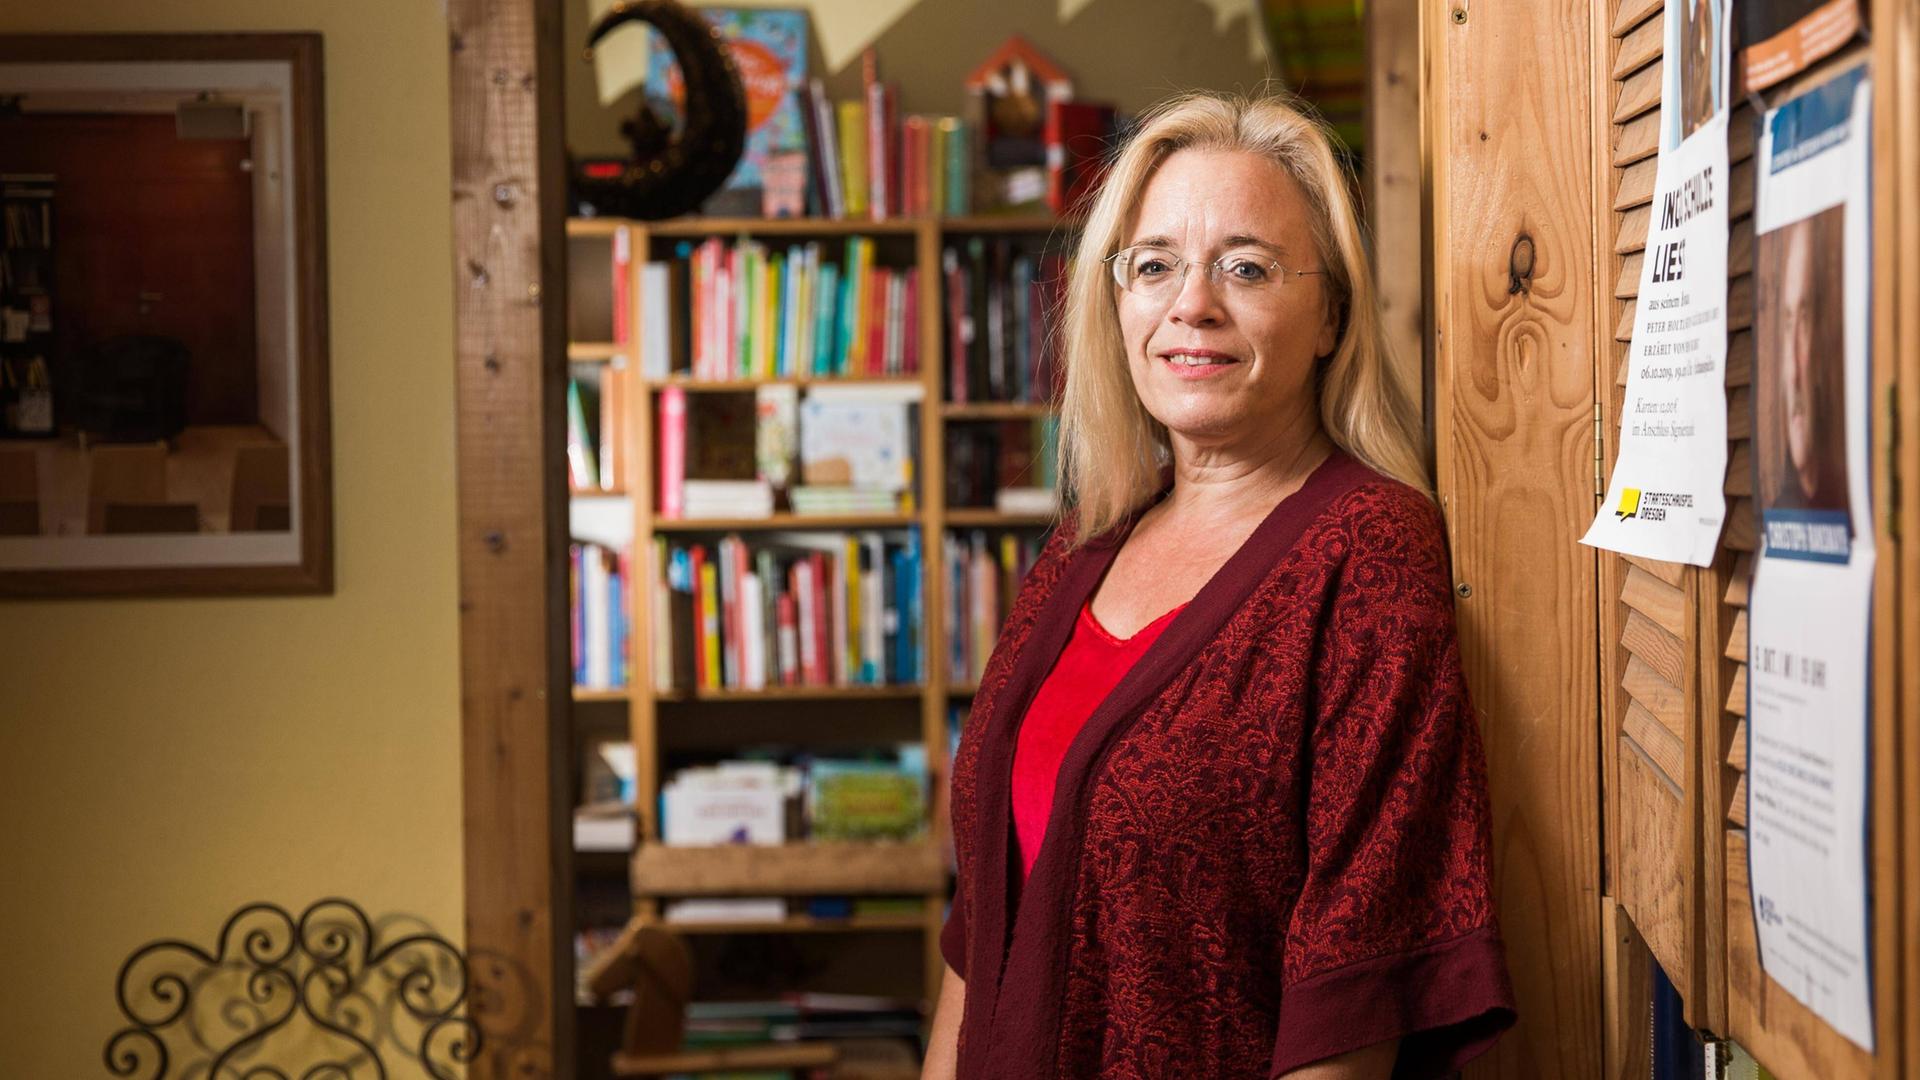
[1224, 730]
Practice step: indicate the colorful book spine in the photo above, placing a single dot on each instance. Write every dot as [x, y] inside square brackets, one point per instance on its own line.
[853, 156]
[673, 452]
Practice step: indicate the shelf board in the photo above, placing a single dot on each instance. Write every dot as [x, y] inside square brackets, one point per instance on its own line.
[604, 493]
[598, 693]
[799, 924]
[1006, 223]
[593, 352]
[964, 689]
[797, 1055]
[971, 518]
[696, 386]
[914, 866]
[729, 226]
[792, 522]
[594, 226]
[797, 693]
[997, 410]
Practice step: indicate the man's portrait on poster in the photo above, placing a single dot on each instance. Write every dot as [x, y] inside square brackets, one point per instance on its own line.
[1800, 366]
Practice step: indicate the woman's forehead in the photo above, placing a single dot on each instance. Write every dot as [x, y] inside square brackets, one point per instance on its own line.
[1215, 197]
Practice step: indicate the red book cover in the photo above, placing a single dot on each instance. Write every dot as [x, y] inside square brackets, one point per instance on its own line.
[1076, 136]
[824, 598]
[622, 278]
[956, 331]
[673, 452]
[788, 635]
[912, 361]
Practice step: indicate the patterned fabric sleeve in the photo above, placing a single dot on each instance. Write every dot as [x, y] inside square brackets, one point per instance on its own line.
[1393, 935]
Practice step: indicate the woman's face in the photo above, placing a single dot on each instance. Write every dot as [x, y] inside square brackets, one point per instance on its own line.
[1220, 362]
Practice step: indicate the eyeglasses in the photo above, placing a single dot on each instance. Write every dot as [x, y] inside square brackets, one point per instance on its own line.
[1158, 274]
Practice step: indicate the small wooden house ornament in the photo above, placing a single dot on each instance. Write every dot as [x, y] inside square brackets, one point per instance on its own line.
[1007, 98]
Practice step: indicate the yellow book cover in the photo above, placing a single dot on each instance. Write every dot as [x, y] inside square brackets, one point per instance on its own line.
[862, 297]
[710, 612]
[853, 156]
[770, 315]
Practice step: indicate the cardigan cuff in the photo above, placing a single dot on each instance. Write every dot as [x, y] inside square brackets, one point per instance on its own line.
[1446, 1003]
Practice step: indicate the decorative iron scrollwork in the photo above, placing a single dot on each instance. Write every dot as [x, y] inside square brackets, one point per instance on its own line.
[321, 997]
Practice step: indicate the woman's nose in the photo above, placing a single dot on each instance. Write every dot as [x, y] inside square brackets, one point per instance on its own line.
[1198, 301]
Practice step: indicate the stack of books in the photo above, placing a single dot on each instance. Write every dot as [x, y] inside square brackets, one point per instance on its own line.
[983, 576]
[805, 1016]
[733, 802]
[742, 309]
[791, 610]
[879, 796]
[598, 580]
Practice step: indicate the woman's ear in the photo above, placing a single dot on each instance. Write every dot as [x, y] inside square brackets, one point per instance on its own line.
[1330, 328]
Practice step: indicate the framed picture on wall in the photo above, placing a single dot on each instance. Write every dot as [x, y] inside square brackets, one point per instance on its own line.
[164, 422]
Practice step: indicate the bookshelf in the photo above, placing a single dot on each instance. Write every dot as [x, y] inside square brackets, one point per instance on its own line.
[916, 712]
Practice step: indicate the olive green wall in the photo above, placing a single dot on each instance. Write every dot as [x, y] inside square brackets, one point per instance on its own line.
[164, 761]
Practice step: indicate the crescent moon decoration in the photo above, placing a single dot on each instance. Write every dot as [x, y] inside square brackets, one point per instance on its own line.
[668, 176]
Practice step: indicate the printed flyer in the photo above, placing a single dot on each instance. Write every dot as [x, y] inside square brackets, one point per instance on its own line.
[1811, 607]
[1665, 498]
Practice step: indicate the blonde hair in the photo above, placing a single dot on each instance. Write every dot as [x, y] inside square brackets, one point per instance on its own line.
[1111, 448]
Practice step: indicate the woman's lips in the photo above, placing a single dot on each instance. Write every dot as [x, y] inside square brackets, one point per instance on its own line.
[1197, 363]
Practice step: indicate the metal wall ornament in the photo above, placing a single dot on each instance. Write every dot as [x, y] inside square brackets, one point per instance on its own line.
[320, 997]
[669, 175]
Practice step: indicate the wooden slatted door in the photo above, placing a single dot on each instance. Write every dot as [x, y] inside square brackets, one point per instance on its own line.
[1674, 692]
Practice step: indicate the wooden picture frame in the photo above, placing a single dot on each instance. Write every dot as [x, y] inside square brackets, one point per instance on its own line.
[215, 478]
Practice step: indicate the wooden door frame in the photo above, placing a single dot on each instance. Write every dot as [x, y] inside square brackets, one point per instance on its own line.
[509, 281]
[1512, 318]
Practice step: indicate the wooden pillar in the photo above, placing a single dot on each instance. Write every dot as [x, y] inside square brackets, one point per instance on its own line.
[1508, 87]
[510, 304]
[1392, 183]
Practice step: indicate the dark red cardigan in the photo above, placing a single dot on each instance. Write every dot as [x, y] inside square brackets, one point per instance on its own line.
[1268, 846]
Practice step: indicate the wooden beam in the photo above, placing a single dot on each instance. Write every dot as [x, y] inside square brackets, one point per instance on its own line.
[1515, 271]
[510, 347]
[1392, 183]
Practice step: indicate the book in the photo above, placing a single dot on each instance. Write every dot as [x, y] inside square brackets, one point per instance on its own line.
[583, 472]
[854, 176]
[858, 436]
[725, 909]
[864, 800]
[769, 47]
[734, 802]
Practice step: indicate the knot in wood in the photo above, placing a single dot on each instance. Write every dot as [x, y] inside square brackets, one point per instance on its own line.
[1520, 266]
[496, 542]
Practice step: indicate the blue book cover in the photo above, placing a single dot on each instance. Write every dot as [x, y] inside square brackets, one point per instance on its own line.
[770, 48]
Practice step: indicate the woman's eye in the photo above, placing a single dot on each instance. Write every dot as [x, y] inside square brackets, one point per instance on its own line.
[1247, 271]
[1150, 268]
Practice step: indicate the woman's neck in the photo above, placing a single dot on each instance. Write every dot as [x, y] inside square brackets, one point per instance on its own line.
[1222, 483]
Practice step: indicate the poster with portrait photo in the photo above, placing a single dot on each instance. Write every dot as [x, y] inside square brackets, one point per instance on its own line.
[1666, 499]
[1811, 605]
[1784, 37]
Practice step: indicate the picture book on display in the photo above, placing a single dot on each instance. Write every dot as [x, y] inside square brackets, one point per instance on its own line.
[769, 46]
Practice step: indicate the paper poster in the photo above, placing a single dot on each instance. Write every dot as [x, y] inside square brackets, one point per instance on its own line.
[1665, 499]
[1784, 37]
[1810, 610]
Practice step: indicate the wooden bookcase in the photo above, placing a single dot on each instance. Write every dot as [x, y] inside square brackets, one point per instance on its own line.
[917, 868]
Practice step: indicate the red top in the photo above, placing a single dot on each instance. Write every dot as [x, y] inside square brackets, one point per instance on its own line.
[1088, 669]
